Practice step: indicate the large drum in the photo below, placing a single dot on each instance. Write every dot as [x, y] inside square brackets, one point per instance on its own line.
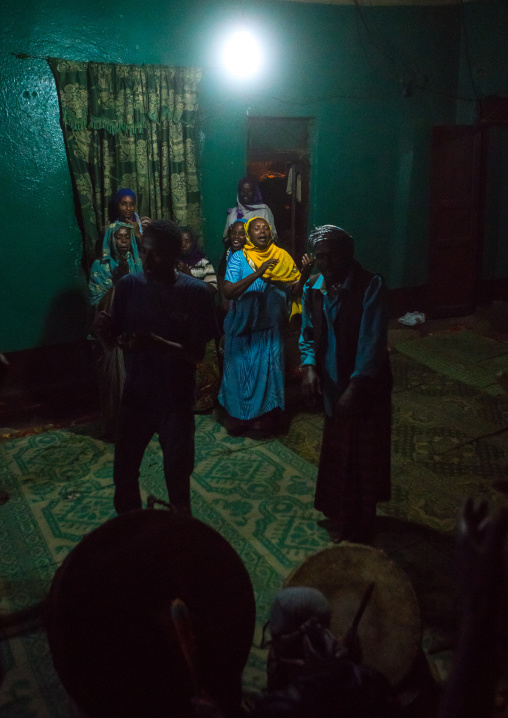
[390, 628]
[110, 626]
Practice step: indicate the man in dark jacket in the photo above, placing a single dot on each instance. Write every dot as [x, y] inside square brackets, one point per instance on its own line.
[163, 319]
[345, 360]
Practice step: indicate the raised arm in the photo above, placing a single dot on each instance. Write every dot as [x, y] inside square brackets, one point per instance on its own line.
[233, 290]
[201, 327]
[307, 264]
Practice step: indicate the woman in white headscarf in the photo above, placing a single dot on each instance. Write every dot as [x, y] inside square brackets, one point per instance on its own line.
[249, 204]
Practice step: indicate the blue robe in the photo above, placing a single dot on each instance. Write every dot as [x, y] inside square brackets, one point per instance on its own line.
[253, 378]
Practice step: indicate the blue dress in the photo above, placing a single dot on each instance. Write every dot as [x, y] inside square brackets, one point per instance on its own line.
[253, 378]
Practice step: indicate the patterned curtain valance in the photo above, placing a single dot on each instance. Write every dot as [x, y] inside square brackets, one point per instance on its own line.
[124, 98]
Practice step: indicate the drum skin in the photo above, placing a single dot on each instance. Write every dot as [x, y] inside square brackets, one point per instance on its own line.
[109, 623]
[390, 629]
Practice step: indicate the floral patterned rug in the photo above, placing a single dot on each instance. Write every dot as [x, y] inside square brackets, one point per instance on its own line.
[257, 494]
[448, 442]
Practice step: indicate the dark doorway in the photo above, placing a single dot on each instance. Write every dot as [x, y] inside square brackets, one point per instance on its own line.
[278, 156]
[454, 246]
[495, 224]
[468, 255]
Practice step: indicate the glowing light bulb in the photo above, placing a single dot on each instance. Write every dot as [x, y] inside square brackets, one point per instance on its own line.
[241, 55]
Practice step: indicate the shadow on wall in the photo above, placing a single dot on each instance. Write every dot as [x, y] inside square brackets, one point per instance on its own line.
[57, 377]
[69, 318]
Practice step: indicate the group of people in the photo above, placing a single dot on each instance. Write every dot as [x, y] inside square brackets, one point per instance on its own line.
[177, 645]
[120, 255]
[162, 324]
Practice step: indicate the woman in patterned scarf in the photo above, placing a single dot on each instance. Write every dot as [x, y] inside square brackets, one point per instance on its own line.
[119, 257]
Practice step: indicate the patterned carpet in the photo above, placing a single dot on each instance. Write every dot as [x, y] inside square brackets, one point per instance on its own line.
[447, 443]
[462, 354]
[258, 495]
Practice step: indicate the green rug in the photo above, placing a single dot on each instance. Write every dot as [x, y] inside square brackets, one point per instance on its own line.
[462, 355]
[257, 494]
[448, 442]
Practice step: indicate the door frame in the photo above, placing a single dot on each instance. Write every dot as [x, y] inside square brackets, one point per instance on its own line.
[490, 112]
[300, 159]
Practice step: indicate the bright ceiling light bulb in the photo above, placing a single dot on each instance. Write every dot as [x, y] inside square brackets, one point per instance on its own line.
[241, 55]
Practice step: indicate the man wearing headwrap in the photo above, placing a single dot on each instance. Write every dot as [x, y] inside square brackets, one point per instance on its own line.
[345, 360]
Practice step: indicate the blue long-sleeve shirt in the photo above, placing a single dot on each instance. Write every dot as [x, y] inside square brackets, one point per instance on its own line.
[372, 338]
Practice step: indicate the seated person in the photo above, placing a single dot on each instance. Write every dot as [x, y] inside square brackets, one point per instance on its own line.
[192, 261]
[313, 673]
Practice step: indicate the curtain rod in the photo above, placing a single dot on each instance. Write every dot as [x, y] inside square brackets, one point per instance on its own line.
[24, 56]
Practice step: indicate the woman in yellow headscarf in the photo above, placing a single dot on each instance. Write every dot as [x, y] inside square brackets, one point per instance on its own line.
[265, 287]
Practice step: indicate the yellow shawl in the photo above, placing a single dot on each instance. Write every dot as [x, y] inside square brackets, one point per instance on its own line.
[284, 271]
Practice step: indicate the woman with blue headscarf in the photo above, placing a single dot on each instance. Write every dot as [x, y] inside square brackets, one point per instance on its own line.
[119, 257]
[122, 208]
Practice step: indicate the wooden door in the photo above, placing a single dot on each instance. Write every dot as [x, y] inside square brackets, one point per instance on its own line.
[454, 243]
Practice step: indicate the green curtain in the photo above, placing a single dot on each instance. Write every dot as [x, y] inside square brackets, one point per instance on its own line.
[130, 126]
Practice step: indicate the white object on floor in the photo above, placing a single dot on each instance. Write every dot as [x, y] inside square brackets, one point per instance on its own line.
[412, 318]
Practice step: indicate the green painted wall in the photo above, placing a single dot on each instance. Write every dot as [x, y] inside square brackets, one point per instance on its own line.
[345, 68]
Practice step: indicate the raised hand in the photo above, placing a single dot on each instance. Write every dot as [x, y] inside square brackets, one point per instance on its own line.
[134, 225]
[269, 264]
[183, 267]
[307, 264]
